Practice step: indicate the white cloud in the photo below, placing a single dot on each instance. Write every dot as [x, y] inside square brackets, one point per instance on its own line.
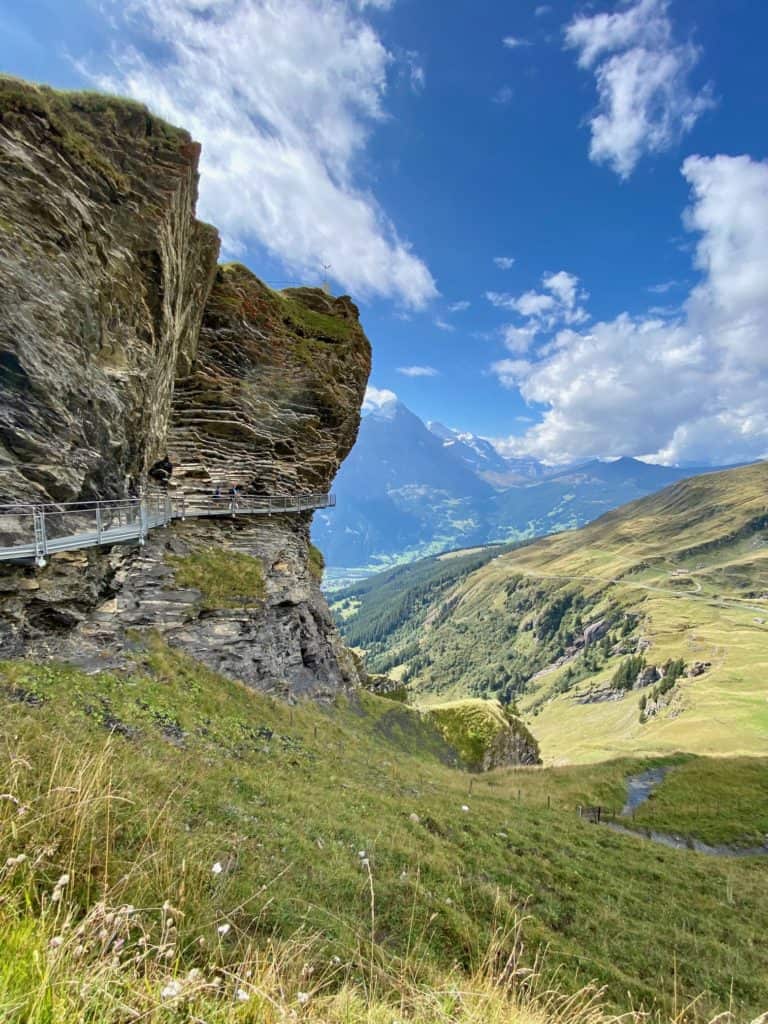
[645, 103]
[375, 398]
[504, 262]
[458, 307]
[504, 95]
[663, 287]
[511, 372]
[690, 387]
[283, 98]
[513, 42]
[518, 339]
[418, 371]
[559, 302]
[541, 10]
[414, 70]
[443, 325]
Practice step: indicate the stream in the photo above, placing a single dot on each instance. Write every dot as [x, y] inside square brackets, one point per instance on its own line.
[639, 788]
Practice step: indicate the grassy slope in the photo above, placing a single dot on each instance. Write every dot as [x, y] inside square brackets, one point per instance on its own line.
[690, 563]
[286, 799]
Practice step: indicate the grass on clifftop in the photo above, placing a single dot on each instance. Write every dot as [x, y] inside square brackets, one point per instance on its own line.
[339, 831]
[472, 726]
[70, 115]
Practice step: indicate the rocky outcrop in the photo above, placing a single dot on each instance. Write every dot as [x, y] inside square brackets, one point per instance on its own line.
[268, 627]
[595, 631]
[105, 274]
[273, 400]
[120, 337]
[484, 734]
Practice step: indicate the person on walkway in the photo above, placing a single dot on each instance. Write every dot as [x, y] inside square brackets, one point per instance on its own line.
[160, 471]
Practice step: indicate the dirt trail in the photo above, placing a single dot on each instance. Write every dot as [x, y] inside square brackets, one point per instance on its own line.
[696, 595]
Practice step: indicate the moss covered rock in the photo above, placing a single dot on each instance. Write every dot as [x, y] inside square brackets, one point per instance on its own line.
[484, 734]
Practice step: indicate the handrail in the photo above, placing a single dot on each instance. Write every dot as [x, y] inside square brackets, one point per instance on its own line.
[38, 530]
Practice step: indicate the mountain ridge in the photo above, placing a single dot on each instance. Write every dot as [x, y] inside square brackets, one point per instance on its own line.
[410, 489]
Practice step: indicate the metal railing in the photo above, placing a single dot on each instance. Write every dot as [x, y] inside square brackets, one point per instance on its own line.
[31, 532]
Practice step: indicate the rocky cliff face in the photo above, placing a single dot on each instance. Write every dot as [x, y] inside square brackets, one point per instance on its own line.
[273, 400]
[105, 274]
[119, 337]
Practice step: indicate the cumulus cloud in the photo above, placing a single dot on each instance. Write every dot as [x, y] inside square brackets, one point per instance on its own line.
[458, 307]
[690, 387]
[504, 262]
[518, 339]
[375, 398]
[645, 101]
[560, 302]
[418, 371]
[283, 97]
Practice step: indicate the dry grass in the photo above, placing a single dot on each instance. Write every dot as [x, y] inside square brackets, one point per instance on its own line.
[73, 949]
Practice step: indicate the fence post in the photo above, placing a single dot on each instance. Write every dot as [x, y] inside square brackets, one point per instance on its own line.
[41, 541]
[142, 524]
[98, 523]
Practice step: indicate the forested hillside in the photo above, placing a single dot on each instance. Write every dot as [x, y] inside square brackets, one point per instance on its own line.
[645, 630]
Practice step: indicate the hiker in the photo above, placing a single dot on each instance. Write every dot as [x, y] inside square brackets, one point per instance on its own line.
[161, 470]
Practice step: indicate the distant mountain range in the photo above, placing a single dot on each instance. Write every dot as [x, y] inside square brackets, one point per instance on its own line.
[410, 489]
[680, 575]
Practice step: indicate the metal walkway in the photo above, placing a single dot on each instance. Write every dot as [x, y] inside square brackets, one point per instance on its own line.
[34, 532]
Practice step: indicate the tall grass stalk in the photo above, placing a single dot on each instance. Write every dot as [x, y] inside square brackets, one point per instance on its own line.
[72, 948]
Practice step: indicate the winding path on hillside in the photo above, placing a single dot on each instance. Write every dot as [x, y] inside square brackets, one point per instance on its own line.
[31, 533]
[733, 602]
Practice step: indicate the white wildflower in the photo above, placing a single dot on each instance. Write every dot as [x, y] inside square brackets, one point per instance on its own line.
[362, 854]
[217, 868]
[242, 995]
[64, 880]
[172, 990]
[464, 808]
[302, 998]
[223, 928]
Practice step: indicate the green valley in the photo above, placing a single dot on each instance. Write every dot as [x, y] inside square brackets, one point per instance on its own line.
[678, 577]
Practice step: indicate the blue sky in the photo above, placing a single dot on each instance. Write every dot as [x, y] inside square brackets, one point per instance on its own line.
[556, 214]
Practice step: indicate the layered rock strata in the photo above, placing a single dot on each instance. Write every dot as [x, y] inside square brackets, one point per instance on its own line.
[105, 272]
[118, 338]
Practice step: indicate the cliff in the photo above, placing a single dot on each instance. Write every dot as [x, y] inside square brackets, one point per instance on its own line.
[120, 338]
[105, 274]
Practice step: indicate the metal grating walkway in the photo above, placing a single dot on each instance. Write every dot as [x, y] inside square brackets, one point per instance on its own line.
[34, 532]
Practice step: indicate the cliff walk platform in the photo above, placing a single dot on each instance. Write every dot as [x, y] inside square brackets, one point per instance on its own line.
[31, 533]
